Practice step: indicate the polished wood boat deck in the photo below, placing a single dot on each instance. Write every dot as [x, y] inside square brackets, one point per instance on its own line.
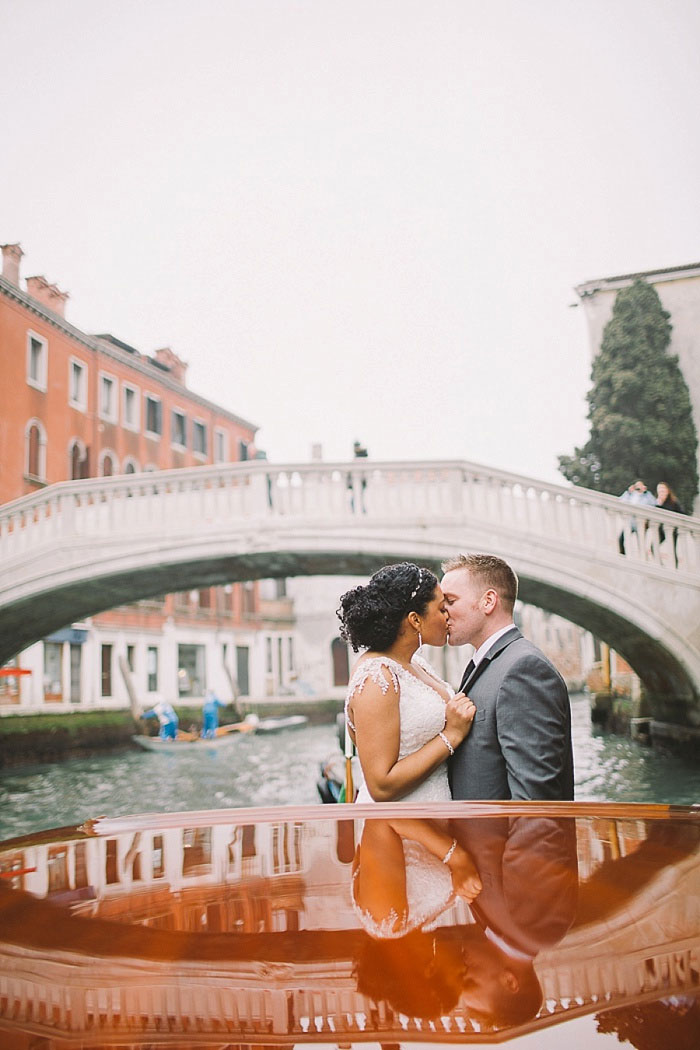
[341, 924]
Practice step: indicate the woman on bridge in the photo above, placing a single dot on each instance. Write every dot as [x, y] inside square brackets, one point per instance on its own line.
[404, 720]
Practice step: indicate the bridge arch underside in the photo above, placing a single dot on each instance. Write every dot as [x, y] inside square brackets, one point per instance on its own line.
[669, 682]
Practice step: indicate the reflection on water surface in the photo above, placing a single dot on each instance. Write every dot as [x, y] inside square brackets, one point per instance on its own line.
[298, 925]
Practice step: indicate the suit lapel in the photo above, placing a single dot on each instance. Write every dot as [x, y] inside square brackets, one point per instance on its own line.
[502, 643]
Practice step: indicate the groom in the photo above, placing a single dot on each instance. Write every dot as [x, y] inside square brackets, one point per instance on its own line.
[519, 746]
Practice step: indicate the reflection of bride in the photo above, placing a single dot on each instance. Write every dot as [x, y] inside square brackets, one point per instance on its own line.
[405, 875]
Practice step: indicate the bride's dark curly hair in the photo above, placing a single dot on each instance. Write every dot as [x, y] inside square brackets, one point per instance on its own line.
[370, 616]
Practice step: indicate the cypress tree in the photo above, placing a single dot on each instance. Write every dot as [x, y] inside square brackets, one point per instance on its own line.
[638, 406]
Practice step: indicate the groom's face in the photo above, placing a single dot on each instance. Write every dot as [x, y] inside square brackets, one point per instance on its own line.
[465, 614]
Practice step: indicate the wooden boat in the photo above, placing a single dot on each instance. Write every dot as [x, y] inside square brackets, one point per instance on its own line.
[274, 725]
[567, 923]
[185, 743]
[224, 734]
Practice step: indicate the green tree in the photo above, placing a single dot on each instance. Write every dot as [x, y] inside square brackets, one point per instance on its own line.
[639, 406]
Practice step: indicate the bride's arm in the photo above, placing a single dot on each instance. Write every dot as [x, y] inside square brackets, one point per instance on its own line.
[438, 841]
[375, 714]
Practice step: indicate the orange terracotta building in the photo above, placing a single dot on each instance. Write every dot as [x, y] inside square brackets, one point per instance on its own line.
[76, 405]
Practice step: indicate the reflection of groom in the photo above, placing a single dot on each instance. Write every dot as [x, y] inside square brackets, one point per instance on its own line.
[519, 746]
[529, 874]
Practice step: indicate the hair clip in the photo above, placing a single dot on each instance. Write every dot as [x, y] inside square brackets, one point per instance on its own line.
[415, 590]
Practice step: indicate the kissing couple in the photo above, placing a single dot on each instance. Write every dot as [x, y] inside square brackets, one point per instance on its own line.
[505, 734]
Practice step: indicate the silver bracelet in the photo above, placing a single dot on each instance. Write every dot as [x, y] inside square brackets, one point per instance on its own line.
[446, 742]
[450, 851]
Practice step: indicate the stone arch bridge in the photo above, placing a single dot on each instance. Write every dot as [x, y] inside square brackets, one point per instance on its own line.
[78, 548]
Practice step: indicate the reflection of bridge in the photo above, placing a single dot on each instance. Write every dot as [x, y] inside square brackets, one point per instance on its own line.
[78, 548]
[175, 975]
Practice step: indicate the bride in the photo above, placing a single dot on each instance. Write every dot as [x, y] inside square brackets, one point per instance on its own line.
[404, 720]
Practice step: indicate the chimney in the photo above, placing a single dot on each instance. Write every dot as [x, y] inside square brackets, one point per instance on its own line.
[176, 366]
[48, 294]
[11, 257]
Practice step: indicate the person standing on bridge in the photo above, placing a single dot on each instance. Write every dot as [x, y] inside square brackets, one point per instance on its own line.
[520, 743]
[639, 495]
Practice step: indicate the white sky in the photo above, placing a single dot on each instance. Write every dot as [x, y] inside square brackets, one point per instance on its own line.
[358, 219]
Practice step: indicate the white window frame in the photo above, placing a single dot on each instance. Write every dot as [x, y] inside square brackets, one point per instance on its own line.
[220, 435]
[173, 443]
[112, 415]
[80, 403]
[126, 423]
[41, 382]
[153, 397]
[195, 451]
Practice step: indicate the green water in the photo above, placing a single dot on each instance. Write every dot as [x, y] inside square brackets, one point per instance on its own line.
[282, 769]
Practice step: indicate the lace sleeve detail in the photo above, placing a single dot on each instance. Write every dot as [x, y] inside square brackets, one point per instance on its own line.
[373, 670]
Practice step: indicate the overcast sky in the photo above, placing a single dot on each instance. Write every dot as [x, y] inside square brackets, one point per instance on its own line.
[359, 219]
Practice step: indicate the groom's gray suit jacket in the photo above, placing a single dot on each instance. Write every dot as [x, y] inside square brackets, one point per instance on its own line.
[519, 746]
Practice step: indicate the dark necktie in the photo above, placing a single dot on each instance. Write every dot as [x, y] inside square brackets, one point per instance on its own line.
[467, 673]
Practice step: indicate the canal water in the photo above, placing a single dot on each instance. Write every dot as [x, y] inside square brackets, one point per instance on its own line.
[282, 769]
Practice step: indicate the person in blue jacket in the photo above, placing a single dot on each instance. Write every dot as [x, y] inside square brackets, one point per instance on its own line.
[165, 714]
[210, 713]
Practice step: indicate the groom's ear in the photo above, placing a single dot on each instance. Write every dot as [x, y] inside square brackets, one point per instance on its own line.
[490, 599]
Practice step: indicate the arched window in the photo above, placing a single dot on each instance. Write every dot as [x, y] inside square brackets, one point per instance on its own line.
[35, 450]
[77, 454]
[341, 664]
[130, 466]
[108, 465]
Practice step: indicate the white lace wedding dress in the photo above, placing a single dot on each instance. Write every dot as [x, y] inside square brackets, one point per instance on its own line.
[421, 717]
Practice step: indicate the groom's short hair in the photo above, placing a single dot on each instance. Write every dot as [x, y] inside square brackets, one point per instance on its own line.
[491, 571]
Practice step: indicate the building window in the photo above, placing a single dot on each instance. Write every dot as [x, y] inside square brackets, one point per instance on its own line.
[131, 657]
[53, 674]
[77, 384]
[341, 664]
[178, 429]
[108, 398]
[108, 468]
[131, 466]
[78, 457]
[130, 407]
[152, 669]
[248, 598]
[154, 416]
[268, 655]
[290, 654]
[199, 438]
[37, 360]
[106, 671]
[35, 451]
[191, 674]
[242, 450]
[220, 446]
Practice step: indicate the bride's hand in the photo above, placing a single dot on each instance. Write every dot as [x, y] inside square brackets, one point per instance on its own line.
[459, 715]
[465, 877]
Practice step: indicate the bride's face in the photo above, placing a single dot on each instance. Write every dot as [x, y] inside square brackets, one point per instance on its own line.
[434, 620]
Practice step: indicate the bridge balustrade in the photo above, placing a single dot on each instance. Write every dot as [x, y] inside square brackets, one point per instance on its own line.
[206, 498]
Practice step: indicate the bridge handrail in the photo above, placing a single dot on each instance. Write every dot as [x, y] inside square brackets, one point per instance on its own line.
[354, 469]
